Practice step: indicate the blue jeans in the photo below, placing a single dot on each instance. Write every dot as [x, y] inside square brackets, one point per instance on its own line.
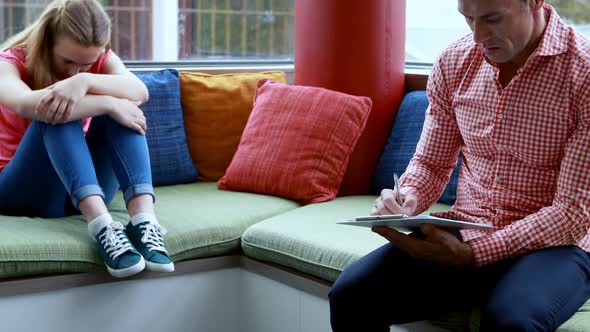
[54, 162]
[537, 291]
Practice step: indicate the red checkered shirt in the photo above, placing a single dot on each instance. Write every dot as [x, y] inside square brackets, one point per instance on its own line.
[525, 147]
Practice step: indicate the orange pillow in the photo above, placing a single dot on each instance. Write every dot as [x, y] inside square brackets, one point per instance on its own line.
[297, 142]
[216, 109]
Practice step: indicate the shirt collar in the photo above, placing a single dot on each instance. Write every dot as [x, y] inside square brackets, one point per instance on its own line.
[554, 40]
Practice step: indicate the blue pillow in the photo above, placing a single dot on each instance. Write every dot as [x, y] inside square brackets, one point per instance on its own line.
[402, 143]
[169, 155]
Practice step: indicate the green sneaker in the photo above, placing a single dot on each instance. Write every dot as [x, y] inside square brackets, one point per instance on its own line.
[119, 255]
[147, 238]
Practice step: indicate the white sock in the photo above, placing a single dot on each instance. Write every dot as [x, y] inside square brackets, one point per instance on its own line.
[98, 223]
[143, 217]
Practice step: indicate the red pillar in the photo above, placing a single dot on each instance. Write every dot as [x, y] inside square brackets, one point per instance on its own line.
[356, 47]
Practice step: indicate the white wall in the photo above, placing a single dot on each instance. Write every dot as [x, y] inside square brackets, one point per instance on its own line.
[224, 300]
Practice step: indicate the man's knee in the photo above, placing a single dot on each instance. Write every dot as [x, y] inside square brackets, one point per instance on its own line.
[352, 288]
[342, 290]
[341, 300]
[351, 304]
[508, 319]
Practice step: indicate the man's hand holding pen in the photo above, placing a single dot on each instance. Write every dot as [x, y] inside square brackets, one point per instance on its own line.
[437, 245]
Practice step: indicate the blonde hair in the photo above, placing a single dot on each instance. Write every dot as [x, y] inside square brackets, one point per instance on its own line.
[85, 21]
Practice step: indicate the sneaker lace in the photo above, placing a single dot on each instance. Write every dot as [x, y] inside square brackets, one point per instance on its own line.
[152, 236]
[114, 240]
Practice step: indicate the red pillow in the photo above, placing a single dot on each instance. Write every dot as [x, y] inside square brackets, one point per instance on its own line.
[297, 142]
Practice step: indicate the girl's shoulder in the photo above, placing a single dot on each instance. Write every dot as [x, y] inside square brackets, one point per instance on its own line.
[17, 57]
[99, 66]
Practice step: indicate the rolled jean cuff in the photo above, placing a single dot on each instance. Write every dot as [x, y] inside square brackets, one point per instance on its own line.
[85, 191]
[139, 189]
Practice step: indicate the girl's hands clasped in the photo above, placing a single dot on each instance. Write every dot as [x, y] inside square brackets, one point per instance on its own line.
[57, 105]
[128, 114]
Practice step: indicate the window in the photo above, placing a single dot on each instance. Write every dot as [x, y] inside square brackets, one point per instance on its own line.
[246, 29]
[431, 25]
[207, 30]
[15, 15]
[221, 31]
[576, 13]
[434, 24]
[132, 31]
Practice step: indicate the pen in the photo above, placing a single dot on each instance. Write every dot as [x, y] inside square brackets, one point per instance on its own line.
[398, 195]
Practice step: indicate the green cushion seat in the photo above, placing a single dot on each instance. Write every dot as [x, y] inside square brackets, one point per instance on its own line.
[309, 240]
[202, 221]
[469, 321]
[34, 246]
[580, 322]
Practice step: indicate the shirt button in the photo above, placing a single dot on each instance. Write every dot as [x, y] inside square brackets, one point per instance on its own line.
[501, 116]
[498, 179]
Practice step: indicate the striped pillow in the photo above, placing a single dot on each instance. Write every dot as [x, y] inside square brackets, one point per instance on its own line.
[297, 142]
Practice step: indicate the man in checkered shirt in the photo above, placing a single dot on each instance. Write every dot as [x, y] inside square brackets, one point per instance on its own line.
[513, 98]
